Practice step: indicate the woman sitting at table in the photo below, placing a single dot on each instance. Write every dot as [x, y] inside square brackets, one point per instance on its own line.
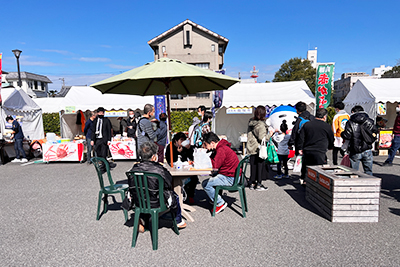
[183, 149]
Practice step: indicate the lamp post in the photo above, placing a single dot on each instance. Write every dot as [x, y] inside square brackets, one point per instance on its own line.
[17, 53]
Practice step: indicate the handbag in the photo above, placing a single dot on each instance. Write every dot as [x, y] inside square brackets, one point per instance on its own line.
[346, 161]
[262, 153]
[298, 164]
[272, 156]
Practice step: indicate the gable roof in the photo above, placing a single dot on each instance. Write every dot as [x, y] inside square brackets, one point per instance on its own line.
[180, 25]
[28, 76]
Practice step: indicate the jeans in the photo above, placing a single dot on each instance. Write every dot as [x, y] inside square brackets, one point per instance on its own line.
[19, 148]
[89, 149]
[393, 149]
[209, 186]
[366, 159]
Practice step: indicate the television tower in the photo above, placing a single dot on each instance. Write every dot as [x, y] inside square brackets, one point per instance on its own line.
[254, 74]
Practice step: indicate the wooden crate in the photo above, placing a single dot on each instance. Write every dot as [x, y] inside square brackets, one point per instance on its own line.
[342, 194]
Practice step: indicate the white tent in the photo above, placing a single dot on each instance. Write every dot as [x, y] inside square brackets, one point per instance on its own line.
[18, 103]
[255, 94]
[368, 93]
[87, 98]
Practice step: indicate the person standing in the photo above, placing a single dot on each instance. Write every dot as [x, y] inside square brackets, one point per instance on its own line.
[18, 137]
[131, 124]
[282, 140]
[304, 116]
[338, 124]
[201, 110]
[396, 139]
[203, 129]
[88, 134]
[256, 131]
[162, 133]
[316, 137]
[358, 145]
[192, 129]
[145, 127]
[101, 136]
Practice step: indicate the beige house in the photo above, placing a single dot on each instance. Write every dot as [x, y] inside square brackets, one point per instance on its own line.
[195, 45]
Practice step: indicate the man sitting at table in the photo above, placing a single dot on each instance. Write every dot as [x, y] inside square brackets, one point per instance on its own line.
[224, 161]
[148, 154]
[186, 152]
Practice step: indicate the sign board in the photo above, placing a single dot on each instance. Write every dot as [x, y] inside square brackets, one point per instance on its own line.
[70, 110]
[239, 110]
[116, 113]
[312, 174]
[323, 88]
[381, 108]
[385, 138]
[324, 181]
[62, 152]
[123, 149]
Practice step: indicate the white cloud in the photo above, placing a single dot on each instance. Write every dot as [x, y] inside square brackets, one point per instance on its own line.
[94, 59]
[74, 80]
[105, 46]
[121, 67]
[62, 52]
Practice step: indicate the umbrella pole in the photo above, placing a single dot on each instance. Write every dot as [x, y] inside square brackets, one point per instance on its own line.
[169, 127]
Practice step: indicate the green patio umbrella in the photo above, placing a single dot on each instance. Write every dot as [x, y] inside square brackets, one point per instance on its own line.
[165, 76]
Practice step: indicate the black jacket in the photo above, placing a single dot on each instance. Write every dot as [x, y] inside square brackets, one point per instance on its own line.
[352, 132]
[131, 122]
[155, 167]
[106, 131]
[186, 154]
[316, 135]
[294, 137]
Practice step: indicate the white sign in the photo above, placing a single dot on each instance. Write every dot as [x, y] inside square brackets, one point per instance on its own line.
[239, 110]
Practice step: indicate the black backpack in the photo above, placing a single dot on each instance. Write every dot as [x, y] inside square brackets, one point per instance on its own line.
[368, 132]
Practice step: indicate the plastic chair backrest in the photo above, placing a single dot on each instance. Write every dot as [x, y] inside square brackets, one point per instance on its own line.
[96, 162]
[140, 180]
[241, 171]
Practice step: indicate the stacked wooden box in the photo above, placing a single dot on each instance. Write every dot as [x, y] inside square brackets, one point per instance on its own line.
[343, 194]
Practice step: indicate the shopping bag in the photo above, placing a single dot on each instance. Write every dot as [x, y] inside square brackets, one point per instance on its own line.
[298, 163]
[202, 159]
[262, 153]
[271, 151]
[346, 161]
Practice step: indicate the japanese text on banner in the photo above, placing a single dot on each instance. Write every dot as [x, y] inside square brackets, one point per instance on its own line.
[323, 89]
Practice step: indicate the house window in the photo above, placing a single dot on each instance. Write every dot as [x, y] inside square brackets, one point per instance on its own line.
[212, 48]
[35, 85]
[43, 86]
[188, 37]
[156, 50]
[220, 49]
[203, 95]
[203, 65]
[163, 49]
[176, 96]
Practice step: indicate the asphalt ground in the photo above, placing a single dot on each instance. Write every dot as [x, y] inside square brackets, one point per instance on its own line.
[48, 218]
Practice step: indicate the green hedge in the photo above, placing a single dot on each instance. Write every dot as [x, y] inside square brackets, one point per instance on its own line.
[181, 120]
[331, 114]
[51, 123]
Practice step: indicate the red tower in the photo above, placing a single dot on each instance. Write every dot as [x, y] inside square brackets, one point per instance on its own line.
[254, 74]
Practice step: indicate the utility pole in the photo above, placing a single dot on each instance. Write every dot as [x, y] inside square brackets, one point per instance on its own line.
[63, 80]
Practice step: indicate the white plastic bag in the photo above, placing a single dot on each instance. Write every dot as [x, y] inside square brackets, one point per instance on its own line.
[202, 159]
[298, 163]
[262, 153]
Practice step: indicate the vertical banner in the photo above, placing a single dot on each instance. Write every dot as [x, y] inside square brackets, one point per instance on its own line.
[159, 104]
[323, 88]
[1, 101]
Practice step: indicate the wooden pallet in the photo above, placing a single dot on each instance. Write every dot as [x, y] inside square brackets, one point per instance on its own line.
[342, 194]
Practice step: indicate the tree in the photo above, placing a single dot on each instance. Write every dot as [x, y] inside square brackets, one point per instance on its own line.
[297, 69]
[52, 93]
[393, 73]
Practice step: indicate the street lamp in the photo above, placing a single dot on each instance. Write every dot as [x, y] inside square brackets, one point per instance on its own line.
[17, 53]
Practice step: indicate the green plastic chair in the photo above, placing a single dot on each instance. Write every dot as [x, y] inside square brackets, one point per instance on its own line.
[142, 192]
[107, 190]
[238, 185]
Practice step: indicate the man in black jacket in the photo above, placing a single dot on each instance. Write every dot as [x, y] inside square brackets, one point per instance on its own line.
[315, 138]
[101, 136]
[304, 116]
[131, 124]
[357, 143]
[148, 154]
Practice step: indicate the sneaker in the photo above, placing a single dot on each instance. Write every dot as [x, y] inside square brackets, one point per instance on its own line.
[252, 186]
[260, 187]
[191, 200]
[278, 177]
[299, 181]
[220, 208]
[286, 176]
[24, 160]
[387, 164]
[16, 160]
[141, 226]
[112, 165]
[181, 225]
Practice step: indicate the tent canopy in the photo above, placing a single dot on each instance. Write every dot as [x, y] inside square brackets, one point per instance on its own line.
[88, 98]
[267, 94]
[368, 92]
[253, 95]
[17, 102]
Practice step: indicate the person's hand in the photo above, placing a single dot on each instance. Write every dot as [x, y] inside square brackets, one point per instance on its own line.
[179, 148]
[130, 127]
[92, 143]
[108, 143]
[300, 152]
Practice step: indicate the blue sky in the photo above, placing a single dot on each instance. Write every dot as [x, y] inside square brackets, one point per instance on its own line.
[87, 41]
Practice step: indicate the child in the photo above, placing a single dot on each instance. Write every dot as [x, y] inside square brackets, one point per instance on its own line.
[283, 150]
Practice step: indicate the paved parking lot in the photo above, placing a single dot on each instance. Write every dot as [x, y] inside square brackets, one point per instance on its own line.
[48, 218]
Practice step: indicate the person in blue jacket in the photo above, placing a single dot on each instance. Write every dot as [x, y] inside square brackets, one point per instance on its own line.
[18, 136]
